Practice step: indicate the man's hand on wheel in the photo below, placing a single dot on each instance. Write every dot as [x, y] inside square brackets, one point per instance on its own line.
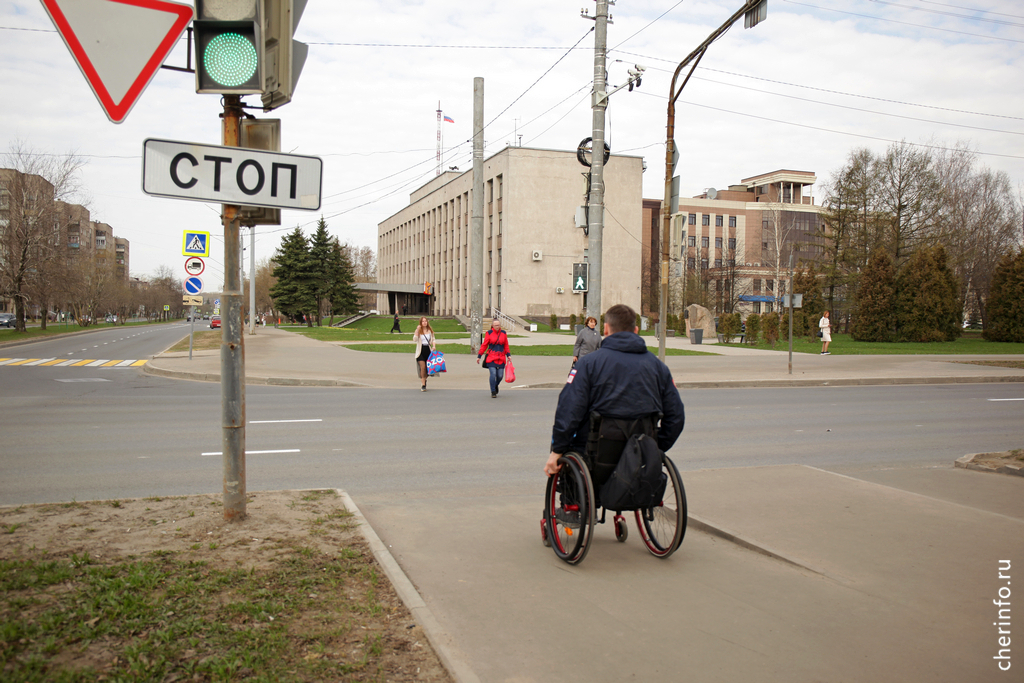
[551, 466]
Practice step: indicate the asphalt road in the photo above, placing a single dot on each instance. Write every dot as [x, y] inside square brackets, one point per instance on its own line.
[96, 433]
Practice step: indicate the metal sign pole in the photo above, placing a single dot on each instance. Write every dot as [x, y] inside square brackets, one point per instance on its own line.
[192, 330]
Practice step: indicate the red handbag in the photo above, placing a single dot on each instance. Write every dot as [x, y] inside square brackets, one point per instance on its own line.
[510, 372]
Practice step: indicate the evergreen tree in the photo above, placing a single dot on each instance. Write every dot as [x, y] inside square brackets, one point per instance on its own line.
[1005, 306]
[928, 307]
[875, 318]
[808, 283]
[343, 296]
[293, 292]
[321, 261]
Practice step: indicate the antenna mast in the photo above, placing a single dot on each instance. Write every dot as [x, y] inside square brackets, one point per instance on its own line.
[438, 137]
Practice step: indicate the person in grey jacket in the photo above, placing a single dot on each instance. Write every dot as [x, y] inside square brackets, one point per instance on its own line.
[588, 340]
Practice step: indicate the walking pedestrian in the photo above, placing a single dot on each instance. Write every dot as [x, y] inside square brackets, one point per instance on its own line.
[423, 337]
[825, 332]
[397, 327]
[495, 343]
[589, 339]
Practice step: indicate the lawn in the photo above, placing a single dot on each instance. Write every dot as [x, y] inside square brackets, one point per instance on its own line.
[844, 345]
[562, 350]
[55, 329]
[378, 328]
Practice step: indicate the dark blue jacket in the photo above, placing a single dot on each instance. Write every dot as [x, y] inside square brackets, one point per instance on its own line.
[621, 379]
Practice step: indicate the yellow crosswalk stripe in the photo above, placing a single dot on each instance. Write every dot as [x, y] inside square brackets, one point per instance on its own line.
[82, 362]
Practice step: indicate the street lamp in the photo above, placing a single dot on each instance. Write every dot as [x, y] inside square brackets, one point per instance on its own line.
[755, 11]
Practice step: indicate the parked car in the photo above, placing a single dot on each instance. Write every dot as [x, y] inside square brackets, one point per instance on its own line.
[8, 320]
[214, 321]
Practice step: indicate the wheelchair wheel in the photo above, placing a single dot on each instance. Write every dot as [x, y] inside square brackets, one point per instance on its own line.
[621, 530]
[663, 526]
[569, 509]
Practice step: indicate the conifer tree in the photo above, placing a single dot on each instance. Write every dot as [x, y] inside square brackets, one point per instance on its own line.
[1005, 306]
[294, 293]
[340, 276]
[874, 319]
[927, 298]
[808, 282]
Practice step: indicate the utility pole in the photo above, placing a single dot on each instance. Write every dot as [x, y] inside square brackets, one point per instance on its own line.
[756, 11]
[232, 360]
[599, 104]
[476, 235]
[252, 279]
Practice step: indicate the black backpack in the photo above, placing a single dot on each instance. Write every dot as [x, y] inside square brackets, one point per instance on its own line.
[626, 462]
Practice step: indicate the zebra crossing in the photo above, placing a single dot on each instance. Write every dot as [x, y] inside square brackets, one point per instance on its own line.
[70, 363]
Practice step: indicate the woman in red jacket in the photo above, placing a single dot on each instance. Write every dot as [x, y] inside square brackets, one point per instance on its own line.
[496, 345]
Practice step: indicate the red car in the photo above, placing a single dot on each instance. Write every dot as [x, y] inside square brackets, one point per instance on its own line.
[214, 321]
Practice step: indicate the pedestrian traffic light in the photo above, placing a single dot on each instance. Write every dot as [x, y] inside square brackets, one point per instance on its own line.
[285, 56]
[229, 46]
[580, 277]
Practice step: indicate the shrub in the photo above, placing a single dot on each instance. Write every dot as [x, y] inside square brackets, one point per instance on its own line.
[928, 306]
[554, 321]
[770, 324]
[572, 321]
[729, 326]
[875, 315]
[1005, 305]
[753, 328]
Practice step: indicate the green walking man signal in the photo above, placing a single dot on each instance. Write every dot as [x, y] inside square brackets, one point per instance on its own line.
[580, 277]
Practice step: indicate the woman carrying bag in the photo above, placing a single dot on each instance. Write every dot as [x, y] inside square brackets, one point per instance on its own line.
[423, 337]
[495, 344]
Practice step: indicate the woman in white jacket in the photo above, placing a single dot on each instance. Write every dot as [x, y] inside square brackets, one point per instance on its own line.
[423, 337]
[825, 328]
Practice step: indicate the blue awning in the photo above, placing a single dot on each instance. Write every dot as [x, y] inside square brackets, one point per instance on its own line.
[748, 297]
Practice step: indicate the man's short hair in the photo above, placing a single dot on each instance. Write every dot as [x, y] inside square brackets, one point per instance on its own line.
[620, 318]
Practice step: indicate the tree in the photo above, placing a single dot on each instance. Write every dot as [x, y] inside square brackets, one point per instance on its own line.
[265, 280]
[909, 195]
[875, 316]
[293, 292]
[31, 186]
[1006, 301]
[927, 299]
[322, 265]
[808, 283]
[342, 295]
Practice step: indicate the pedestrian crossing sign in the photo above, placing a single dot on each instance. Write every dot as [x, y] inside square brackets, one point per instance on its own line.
[196, 244]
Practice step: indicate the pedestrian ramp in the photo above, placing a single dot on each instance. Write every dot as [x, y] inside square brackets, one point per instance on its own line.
[70, 363]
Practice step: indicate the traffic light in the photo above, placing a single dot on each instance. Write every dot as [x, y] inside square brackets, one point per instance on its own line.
[580, 277]
[229, 46]
[285, 56]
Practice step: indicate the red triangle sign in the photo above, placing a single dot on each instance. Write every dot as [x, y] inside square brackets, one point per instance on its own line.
[119, 44]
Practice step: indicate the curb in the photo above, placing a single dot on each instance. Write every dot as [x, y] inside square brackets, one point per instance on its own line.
[721, 532]
[439, 640]
[783, 383]
[150, 369]
[967, 462]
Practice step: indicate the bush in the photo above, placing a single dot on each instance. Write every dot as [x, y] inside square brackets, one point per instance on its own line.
[874, 319]
[1005, 306]
[554, 322]
[770, 324]
[928, 307]
[753, 328]
[572, 321]
[729, 326]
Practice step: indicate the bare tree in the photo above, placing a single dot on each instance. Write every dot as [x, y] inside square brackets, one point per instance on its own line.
[909, 196]
[31, 186]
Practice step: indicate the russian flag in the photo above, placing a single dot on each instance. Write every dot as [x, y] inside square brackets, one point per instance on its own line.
[449, 119]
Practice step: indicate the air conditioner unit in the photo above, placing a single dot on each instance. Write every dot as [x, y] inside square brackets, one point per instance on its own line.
[559, 290]
[538, 255]
[748, 264]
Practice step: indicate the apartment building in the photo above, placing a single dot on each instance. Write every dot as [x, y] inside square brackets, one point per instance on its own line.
[531, 241]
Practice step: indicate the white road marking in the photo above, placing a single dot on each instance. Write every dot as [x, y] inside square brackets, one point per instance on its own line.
[264, 422]
[293, 450]
[1006, 399]
[83, 379]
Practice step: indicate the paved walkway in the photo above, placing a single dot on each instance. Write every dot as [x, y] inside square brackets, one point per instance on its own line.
[789, 573]
[274, 356]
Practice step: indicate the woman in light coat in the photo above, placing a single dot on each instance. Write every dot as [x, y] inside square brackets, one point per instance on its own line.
[588, 340]
[825, 328]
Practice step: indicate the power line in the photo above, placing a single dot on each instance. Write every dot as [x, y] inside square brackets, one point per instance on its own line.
[948, 14]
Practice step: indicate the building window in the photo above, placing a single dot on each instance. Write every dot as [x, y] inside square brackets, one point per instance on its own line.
[693, 219]
[732, 244]
[767, 306]
[691, 263]
[757, 307]
[718, 221]
[769, 285]
[732, 221]
[764, 246]
[732, 263]
[718, 243]
[757, 285]
[705, 219]
[718, 263]
[691, 241]
[704, 264]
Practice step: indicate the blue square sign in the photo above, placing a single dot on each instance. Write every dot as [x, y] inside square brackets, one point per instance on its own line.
[196, 244]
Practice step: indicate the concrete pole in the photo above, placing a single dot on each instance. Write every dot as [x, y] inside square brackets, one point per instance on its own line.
[232, 357]
[476, 236]
[252, 279]
[596, 212]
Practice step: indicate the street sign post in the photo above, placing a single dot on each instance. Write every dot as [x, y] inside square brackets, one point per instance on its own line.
[193, 285]
[118, 45]
[231, 175]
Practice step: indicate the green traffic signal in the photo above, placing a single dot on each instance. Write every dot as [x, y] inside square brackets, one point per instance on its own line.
[230, 59]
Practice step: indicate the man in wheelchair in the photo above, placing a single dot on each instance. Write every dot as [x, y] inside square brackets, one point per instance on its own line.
[612, 393]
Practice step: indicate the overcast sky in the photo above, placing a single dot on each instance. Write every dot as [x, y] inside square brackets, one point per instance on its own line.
[800, 91]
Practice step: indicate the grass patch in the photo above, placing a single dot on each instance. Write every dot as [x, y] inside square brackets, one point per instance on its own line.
[844, 345]
[57, 329]
[378, 328]
[207, 340]
[561, 350]
[1016, 364]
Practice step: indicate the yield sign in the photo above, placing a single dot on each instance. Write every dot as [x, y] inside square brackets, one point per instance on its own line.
[119, 44]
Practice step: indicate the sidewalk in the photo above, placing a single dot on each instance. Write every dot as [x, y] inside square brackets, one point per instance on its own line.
[788, 573]
[274, 356]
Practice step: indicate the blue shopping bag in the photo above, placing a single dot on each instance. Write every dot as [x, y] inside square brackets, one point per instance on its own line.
[435, 363]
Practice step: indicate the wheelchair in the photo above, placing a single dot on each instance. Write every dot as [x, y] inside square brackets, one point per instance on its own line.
[570, 508]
